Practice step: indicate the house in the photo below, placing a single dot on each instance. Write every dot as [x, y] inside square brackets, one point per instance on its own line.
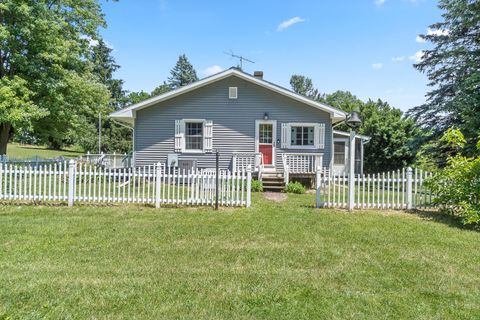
[249, 121]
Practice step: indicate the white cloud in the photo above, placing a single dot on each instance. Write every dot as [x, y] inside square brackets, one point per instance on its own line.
[380, 2]
[437, 32]
[420, 39]
[290, 22]
[417, 57]
[377, 66]
[398, 59]
[212, 70]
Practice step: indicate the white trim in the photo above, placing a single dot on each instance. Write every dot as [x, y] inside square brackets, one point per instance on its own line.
[347, 134]
[274, 137]
[127, 113]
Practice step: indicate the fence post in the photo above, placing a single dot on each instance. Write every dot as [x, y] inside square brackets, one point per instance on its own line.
[317, 187]
[249, 186]
[409, 188]
[71, 182]
[158, 175]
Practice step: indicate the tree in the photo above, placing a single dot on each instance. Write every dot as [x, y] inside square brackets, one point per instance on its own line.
[452, 67]
[161, 89]
[182, 73]
[394, 138]
[44, 47]
[16, 108]
[115, 136]
[304, 86]
[392, 145]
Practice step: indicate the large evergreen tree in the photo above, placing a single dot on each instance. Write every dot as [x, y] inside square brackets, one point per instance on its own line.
[452, 67]
[45, 72]
[182, 73]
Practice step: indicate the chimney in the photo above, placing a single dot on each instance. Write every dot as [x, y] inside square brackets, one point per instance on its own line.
[258, 74]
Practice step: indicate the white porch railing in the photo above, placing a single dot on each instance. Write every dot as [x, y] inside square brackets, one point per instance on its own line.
[302, 162]
[243, 160]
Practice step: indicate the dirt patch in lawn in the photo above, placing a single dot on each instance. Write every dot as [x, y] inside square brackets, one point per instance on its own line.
[275, 196]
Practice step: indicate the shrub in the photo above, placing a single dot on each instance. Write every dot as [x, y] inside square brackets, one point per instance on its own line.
[257, 186]
[457, 188]
[295, 187]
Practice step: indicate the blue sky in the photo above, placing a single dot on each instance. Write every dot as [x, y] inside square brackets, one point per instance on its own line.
[364, 46]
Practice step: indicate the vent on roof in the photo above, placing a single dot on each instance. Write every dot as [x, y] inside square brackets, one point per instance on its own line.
[232, 93]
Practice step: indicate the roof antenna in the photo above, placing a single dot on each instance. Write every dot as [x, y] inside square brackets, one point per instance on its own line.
[240, 58]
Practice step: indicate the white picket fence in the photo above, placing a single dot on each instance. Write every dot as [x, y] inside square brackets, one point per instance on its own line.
[157, 185]
[401, 189]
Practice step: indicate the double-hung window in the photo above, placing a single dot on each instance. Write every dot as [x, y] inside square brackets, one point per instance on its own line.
[193, 136]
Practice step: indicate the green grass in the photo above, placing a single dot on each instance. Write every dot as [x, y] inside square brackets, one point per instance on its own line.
[19, 151]
[272, 261]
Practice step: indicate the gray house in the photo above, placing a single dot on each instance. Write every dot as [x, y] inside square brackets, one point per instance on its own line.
[250, 121]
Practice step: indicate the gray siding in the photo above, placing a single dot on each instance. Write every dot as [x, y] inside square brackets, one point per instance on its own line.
[233, 122]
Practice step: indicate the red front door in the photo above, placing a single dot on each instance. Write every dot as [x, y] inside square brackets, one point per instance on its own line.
[265, 142]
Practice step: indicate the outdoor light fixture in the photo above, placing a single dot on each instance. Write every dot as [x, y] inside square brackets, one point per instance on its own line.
[353, 120]
[265, 116]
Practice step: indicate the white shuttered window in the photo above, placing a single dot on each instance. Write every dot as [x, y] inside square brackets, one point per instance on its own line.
[303, 135]
[193, 135]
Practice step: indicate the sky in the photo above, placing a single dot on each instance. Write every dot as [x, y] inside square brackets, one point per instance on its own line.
[367, 47]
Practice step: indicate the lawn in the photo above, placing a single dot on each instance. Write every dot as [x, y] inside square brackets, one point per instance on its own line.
[22, 151]
[276, 260]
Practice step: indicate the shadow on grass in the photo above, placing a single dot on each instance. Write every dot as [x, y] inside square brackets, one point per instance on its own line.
[430, 215]
[441, 217]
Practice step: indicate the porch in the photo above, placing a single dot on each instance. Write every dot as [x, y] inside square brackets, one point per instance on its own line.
[292, 165]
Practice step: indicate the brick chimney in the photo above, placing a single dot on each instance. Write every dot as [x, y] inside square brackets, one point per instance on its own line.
[258, 74]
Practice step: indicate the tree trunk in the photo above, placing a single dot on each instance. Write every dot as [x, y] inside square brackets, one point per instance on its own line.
[5, 129]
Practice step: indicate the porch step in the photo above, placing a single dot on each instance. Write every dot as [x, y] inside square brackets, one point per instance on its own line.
[273, 181]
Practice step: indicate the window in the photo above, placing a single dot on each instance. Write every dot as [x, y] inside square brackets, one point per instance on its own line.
[266, 133]
[302, 136]
[193, 135]
[339, 152]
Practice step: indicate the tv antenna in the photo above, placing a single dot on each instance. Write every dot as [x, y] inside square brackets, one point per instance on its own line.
[240, 58]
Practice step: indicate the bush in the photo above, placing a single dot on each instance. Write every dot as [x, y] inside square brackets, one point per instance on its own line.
[295, 187]
[457, 188]
[257, 186]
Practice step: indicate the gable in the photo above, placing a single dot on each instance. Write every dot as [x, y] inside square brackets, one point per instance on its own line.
[128, 114]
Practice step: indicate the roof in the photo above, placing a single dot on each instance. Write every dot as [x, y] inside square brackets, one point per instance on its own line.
[347, 134]
[128, 113]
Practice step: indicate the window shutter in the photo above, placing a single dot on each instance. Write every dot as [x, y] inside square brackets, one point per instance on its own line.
[208, 136]
[285, 133]
[320, 135]
[179, 135]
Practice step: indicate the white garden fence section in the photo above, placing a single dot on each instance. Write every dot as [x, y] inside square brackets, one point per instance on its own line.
[401, 189]
[156, 185]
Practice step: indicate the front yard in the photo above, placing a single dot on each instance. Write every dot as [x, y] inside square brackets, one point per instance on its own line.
[275, 260]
